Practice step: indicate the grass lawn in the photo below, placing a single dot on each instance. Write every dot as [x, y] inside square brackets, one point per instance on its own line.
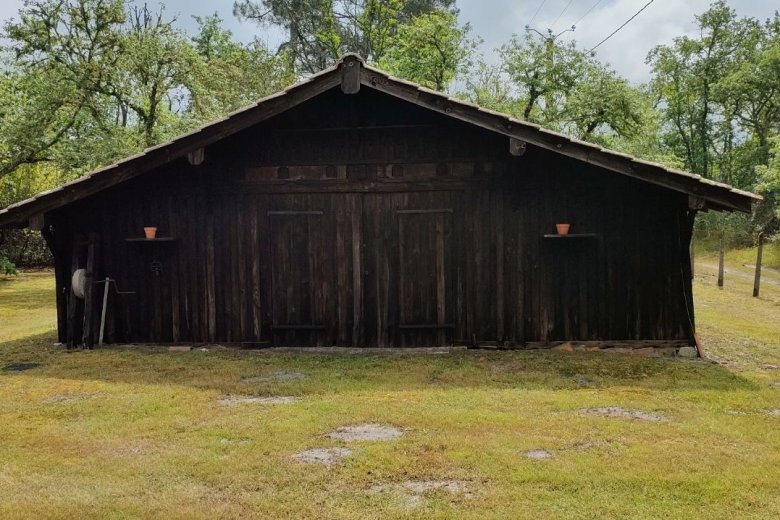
[141, 433]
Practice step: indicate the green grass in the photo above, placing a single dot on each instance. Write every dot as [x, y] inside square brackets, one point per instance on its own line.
[770, 256]
[26, 304]
[139, 433]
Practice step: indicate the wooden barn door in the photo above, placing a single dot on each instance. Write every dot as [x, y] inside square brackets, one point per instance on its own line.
[297, 276]
[426, 274]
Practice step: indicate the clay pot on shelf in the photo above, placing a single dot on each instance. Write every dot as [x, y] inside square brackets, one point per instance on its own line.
[150, 232]
[562, 229]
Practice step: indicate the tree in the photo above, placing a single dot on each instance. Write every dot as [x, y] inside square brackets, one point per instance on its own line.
[487, 86]
[685, 79]
[229, 74]
[60, 50]
[85, 82]
[543, 71]
[153, 77]
[769, 186]
[602, 103]
[320, 31]
[559, 86]
[430, 50]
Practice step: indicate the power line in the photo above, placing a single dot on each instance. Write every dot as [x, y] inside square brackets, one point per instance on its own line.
[537, 12]
[559, 16]
[613, 33]
[588, 12]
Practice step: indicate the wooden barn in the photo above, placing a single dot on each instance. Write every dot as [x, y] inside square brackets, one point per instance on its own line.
[356, 209]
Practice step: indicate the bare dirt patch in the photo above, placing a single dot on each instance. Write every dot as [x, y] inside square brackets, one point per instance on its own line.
[412, 492]
[326, 456]
[275, 377]
[282, 399]
[622, 413]
[366, 432]
[538, 454]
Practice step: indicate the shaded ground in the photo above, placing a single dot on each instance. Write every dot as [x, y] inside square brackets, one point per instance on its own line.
[143, 433]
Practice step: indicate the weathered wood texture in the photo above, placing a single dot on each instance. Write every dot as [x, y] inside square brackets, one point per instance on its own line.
[361, 220]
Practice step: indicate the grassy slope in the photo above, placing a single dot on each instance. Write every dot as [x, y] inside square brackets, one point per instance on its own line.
[743, 257]
[139, 433]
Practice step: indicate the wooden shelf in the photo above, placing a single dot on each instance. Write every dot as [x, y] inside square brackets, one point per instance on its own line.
[574, 235]
[156, 239]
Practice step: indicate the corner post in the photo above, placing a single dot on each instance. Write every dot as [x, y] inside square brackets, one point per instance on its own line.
[759, 254]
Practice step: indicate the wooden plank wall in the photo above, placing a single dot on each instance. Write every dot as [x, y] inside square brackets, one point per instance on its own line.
[360, 221]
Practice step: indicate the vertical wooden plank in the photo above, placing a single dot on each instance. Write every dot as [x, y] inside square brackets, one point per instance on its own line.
[52, 234]
[358, 330]
[211, 310]
[403, 305]
[460, 261]
[89, 310]
[470, 252]
[498, 202]
[441, 295]
[257, 303]
[72, 314]
[266, 267]
[175, 275]
[342, 265]
[241, 234]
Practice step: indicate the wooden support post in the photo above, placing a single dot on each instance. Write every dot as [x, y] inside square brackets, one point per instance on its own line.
[88, 291]
[721, 259]
[60, 277]
[692, 253]
[72, 299]
[759, 254]
[103, 311]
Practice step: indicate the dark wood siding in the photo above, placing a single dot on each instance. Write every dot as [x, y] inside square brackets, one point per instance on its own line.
[359, 220]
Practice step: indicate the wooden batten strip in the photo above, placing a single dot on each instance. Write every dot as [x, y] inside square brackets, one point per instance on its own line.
[196, 157]
[517, 147]
[350, 75]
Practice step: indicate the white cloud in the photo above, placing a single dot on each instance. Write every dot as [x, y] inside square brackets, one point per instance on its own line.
[659, 24]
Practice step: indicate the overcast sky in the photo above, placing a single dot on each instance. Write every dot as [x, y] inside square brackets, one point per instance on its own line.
[496, 20]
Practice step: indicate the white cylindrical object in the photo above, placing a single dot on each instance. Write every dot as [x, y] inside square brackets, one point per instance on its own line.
[79, 283]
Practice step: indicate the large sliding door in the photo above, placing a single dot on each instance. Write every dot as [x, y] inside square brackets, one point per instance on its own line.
[363, 269]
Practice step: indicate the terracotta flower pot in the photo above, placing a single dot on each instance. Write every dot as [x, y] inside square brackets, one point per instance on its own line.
[150, 232]
[563, 229]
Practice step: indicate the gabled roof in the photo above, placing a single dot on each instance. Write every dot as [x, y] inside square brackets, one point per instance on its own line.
[352, 73]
